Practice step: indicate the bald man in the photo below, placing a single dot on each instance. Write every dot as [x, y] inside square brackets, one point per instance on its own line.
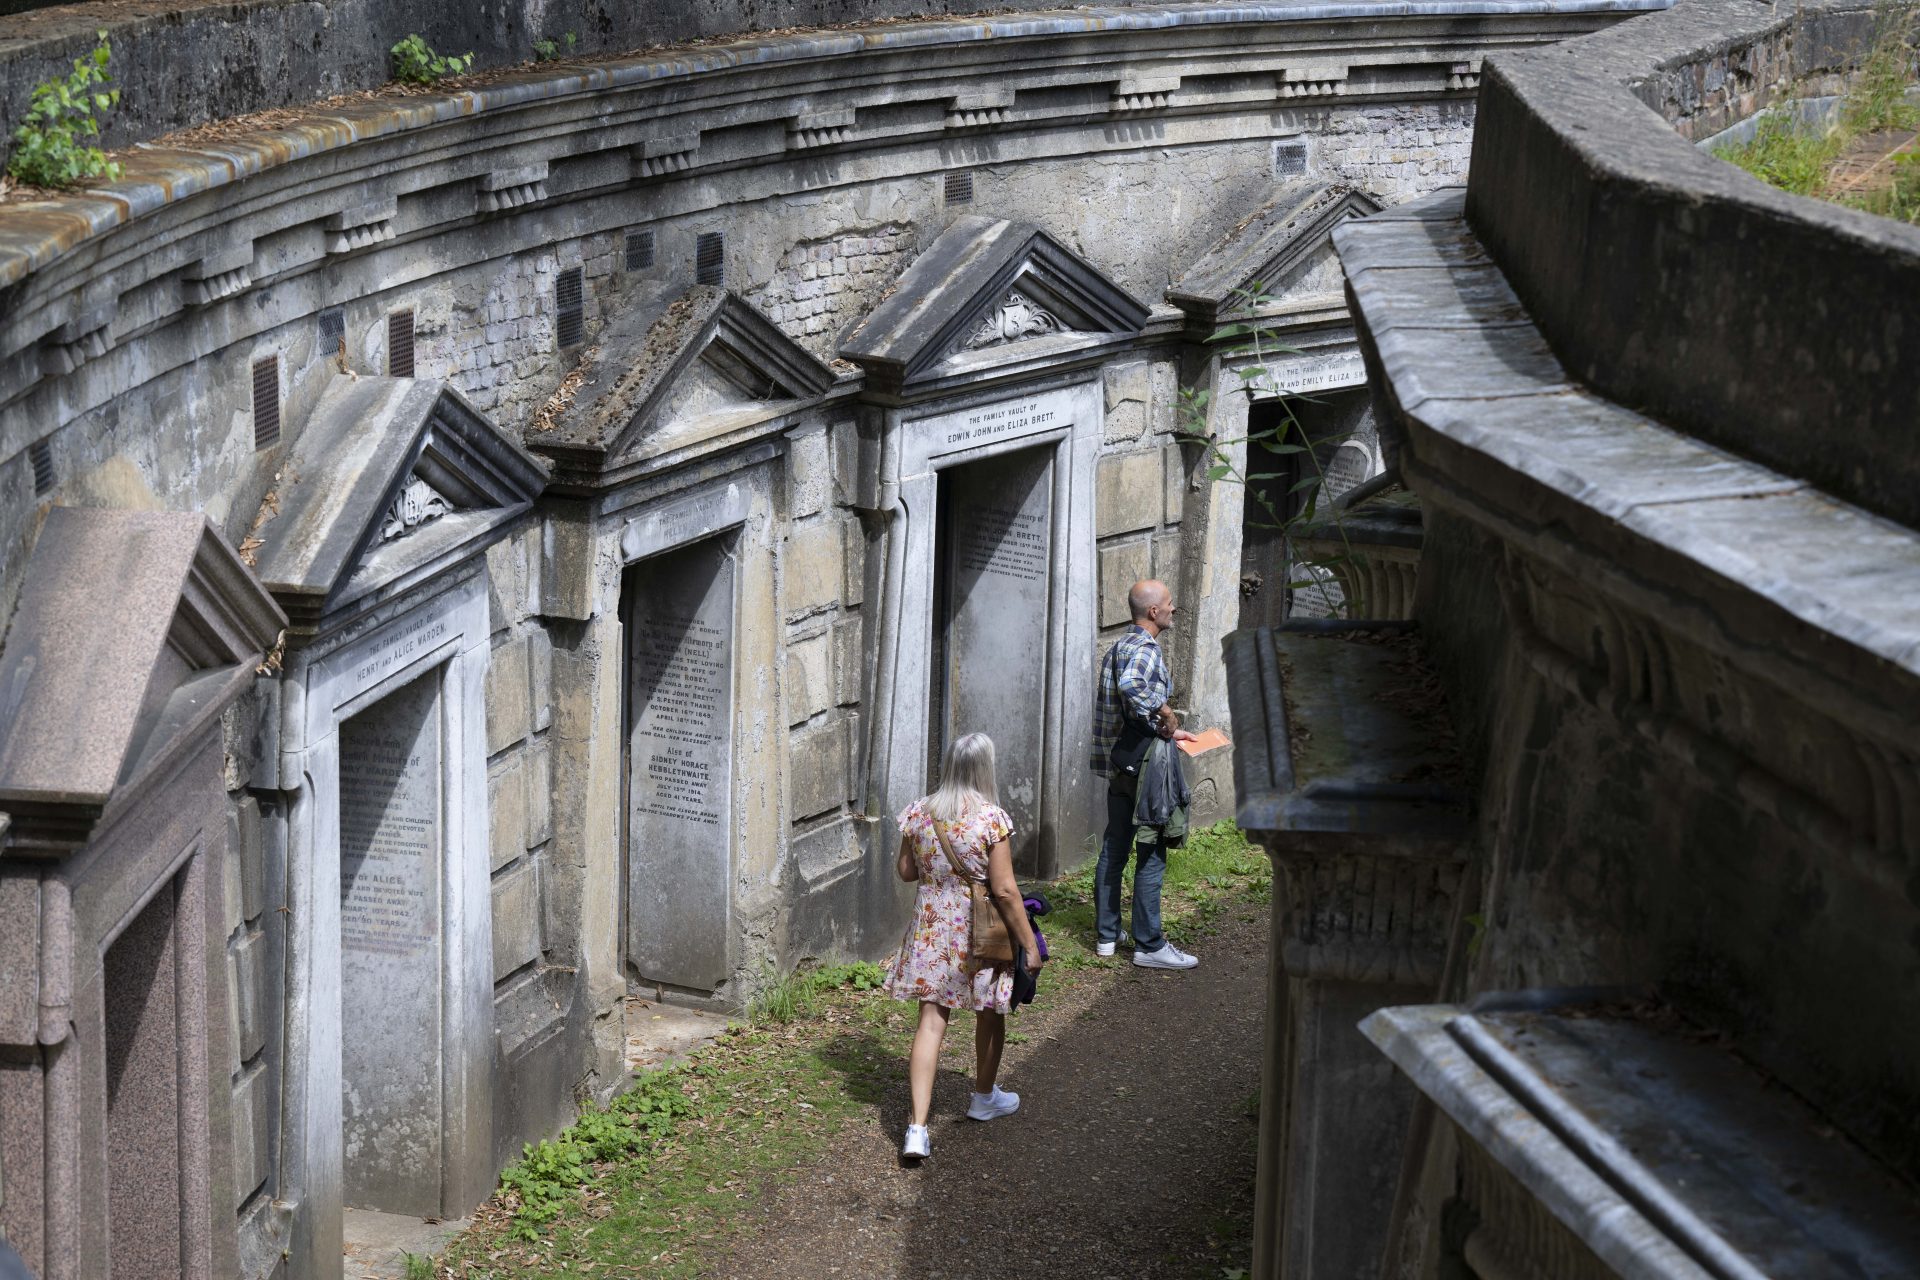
[1130, 709]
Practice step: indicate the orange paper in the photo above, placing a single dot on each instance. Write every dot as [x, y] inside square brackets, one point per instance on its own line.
[1204, 742]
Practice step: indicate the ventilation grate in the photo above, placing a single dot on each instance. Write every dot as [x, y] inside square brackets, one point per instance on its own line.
[570, 298]
[710, 258]
[400, 344]
[639, 250]
[40, 453]
[1289, 159]
[960, 187]
[266, 402]
[333, 331]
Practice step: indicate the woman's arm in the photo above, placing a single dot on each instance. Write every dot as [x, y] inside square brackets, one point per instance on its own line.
[904, 864]
[1006, 896]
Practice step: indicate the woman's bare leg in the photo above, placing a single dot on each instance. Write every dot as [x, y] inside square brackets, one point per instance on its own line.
[924, 1059]
[989, 1038]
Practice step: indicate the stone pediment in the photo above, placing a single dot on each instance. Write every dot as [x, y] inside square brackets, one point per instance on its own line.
[676, 359]
[134, 630]
[981, 286]
[1284, 252]
[391, 481]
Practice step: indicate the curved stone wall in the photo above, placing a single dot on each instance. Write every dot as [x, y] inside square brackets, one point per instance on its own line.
[132, 316]
[1604, 205]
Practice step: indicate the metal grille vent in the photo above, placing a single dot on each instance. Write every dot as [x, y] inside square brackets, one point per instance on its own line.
[333, 330]
[710, 258]
[960, 187]
[266, 402]
[40, 454]
[570, 297]
[1289, 159]
[639, 250]
[400, 344]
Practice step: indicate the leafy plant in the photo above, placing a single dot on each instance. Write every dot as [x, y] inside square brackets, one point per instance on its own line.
[550, 50]
[48, 149]
[548, 1173]
[1251, 347]
[416, 1266]
[415, 62]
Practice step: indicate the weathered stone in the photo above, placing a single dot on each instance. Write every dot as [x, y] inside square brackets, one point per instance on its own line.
[1127, 388]
[809, 676]
[813, 568]
[817, 769]
[849, 659]
[249, 992]
[508, 712]
[540, 677]
[539, 781]
[251, 1121]
[516, 919]
[1130, 493]
[507, 809]
[1176, 470]
[1121, 565]
[809, 472]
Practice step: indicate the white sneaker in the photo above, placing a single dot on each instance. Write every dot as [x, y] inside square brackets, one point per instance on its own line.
[1167, 957]
[1103, 949]
[915, 1147]
[991, 1106]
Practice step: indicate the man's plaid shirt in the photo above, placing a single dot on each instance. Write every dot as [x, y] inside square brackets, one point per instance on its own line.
[1133, 683]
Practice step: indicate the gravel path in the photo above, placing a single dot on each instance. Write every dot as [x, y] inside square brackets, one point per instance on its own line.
[1132, 1154]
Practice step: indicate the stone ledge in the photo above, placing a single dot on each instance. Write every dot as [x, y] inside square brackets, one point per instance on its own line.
[1602, 205]
[1566, 473]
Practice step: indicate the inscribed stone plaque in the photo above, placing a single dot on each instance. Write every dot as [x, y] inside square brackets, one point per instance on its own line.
[999, 548]
[680, 761]
[391, 936]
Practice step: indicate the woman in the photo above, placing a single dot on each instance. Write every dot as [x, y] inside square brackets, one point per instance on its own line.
[932, 965]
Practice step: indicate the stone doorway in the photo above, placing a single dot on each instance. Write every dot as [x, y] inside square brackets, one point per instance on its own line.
[992, 588]
[143, 976]
[678, 611]
[392, 953]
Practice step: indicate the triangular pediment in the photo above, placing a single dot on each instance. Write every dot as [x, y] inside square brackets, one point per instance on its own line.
[391, 478]
[677, 358]
[1278, 259]
[987, 286]
[133, 631]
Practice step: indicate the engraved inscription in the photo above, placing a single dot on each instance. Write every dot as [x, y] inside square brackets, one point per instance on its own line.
[684, 659]
[1008, 542]
[391, 929]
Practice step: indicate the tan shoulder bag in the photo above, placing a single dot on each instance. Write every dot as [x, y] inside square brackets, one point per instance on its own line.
[987, 937]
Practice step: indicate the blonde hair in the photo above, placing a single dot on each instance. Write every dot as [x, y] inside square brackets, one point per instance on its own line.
[966, 778]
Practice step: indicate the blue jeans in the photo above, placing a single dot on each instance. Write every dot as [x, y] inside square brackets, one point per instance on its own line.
[1147, 874]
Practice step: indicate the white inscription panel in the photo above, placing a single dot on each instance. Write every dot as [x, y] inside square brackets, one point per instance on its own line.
[680, 753]
[390, 939]
[988, 425]
[1306, 375]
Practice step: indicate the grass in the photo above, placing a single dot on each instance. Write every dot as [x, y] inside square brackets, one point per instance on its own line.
[656, 1183]
[1785, 154]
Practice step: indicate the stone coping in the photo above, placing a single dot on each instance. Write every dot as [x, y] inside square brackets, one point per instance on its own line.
[1665, 1153]
[1497, 427]
[1773, 325]
[1369, 761]
[34, 235]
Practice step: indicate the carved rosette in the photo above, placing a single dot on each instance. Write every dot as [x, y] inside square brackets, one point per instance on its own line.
[417, 504]
[1018, 318]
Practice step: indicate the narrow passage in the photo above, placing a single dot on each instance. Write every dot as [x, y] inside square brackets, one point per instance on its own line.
[1132, 1153]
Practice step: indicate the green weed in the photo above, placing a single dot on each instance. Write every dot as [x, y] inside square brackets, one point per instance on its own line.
[416, 1266]
[415, 62]
[551, 50]
[48, 147]
[795, 996]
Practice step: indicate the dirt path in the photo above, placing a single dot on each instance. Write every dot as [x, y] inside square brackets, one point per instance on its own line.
[1132, 1154]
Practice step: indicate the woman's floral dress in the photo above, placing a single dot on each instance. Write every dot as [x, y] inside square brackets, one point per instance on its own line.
[931, 962]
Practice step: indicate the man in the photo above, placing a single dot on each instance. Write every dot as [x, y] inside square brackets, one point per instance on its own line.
[1130, 709]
